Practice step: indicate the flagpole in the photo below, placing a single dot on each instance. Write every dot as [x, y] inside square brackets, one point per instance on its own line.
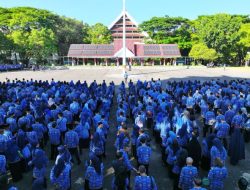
[124, 35]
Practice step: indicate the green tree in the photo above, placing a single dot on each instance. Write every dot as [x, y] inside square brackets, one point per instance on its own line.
[220, 32]
[70, 31]
[168, 30]
[99, 34]
[202, 52]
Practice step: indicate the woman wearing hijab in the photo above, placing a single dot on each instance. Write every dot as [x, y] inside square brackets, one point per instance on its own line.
[39, 163]
[194, 149]
[207, 144]
[217, 175]
[94, 174]
[60, 175]
[180, 162]
[218, 151]
[97, 146]
[236, 147]
[172, 151]
[14, 160]
[183, 136]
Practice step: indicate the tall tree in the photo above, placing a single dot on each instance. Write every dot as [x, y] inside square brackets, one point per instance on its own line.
[169, 30]
[202, 52]
[220, 32]
[99, 34]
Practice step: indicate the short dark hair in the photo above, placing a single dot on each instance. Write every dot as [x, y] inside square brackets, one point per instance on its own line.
[143, 140]
[198, 181]
[142, 169]
[242, 183]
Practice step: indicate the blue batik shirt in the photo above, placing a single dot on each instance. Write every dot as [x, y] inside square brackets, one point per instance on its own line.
[215, 153]
[71, 139]
[12, 123]
[222, 130]
[62, 124]
[95, 179]
[144, 183]
[143, 154]
[216, 177]
[2, 164]
[209, 117]
[39, 129]
[237, 121]
[126, 159]
[83, 131]
[54, 136]
[188, 173]
[63, 180]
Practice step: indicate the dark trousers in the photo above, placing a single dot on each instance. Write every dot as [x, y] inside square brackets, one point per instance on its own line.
[3, 181]
[176, 181]
[74, 151]
[207, 128]
[16, 171]
[53, 151]
[149, 123]
[134, 151]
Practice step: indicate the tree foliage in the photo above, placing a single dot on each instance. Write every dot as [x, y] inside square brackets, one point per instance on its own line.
[99, 34]
[39, 33]
[220, 32]
[202, 52]
[169, 30]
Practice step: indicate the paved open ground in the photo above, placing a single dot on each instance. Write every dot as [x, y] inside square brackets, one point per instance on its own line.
[143, 73]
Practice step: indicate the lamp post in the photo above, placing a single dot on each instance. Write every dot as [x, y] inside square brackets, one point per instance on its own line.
[124, 35]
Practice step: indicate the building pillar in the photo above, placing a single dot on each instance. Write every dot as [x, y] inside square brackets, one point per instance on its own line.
[174, 61]
[106, 61]
[117, 62]
[95, 61]
[164, 62]
[153, 62]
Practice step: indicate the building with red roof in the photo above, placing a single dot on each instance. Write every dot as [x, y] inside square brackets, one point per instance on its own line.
[136, 49]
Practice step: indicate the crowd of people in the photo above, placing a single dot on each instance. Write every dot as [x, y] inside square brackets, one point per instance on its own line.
[196, 124]
[10, 67]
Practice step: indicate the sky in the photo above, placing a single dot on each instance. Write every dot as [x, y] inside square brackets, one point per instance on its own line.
[106, 11]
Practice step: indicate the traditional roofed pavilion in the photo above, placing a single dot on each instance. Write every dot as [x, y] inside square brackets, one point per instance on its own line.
[135, 46]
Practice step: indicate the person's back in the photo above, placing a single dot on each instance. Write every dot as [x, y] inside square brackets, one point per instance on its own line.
[188, 173]
[143, 154]
[120, 178]
[71, 139]
[217, 175]
[144, 182]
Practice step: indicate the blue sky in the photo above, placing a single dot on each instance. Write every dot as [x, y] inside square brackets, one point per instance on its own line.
[105, 11]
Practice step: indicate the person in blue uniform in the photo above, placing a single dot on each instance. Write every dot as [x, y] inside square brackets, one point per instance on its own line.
[218, 151]
[60, 175]
[54, 137]
[209, 121]
[120, 179]
[236, 147]
[39, 163]
[96, 145]
[217, 175]
[144, 154]
[61, 124]
[94, 174]
[71, 141]
[3, 173]
[187, 176]
[83, 134]
[143, 181]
